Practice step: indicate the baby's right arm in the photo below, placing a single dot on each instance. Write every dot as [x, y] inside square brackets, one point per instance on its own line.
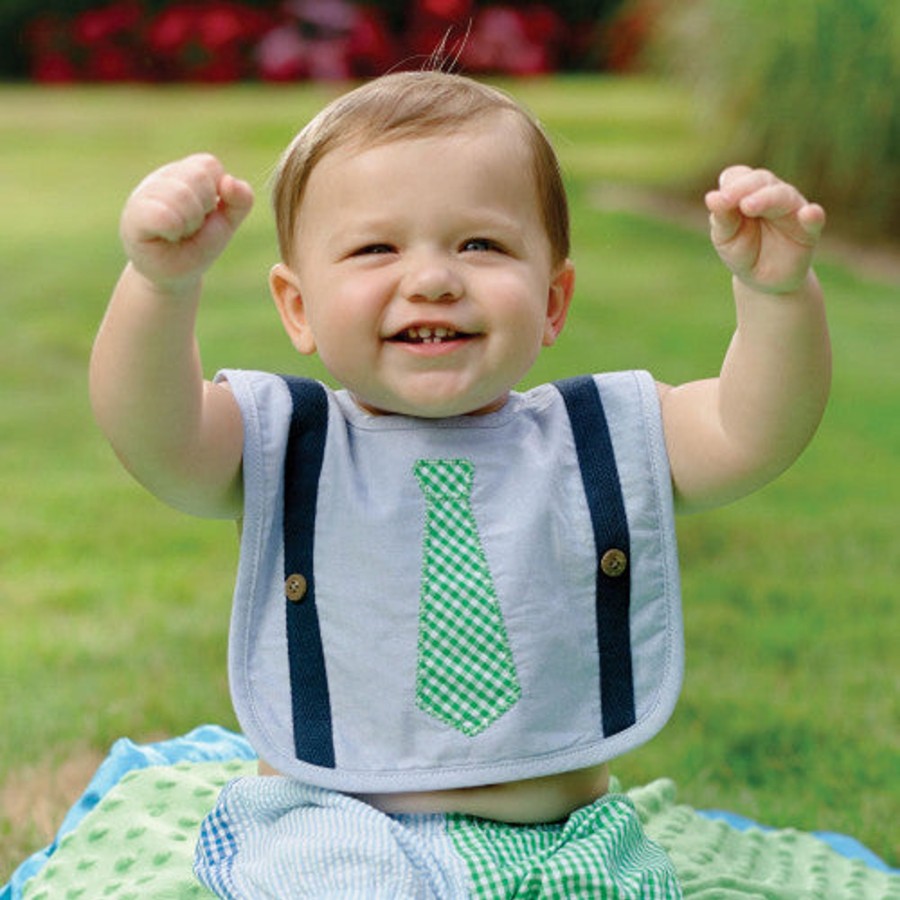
[179, 435]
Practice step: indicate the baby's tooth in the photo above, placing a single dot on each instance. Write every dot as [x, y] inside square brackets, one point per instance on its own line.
[430, 335]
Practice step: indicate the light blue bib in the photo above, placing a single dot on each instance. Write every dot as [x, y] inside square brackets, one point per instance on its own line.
[569, 508]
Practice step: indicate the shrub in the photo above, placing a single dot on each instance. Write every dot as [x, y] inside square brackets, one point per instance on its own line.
[223, 40]
[808, 88]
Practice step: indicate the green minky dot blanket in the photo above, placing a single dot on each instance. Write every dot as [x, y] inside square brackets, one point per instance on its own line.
[138, 844]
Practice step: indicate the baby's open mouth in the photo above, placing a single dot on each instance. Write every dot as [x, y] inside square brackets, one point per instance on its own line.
[424, 334]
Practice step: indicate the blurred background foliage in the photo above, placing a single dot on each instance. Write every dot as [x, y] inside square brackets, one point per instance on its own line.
[571, 31]
[808, 88]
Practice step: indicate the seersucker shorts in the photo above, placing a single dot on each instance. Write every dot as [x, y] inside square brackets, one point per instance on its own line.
[272, 837]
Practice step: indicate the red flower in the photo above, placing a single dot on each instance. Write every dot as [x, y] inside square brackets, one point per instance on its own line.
[47, 41]
[206, 41]
[324, 17]
[53, 68]
[371, 50]
[328, 60]
[543, 25]
[171, 30]
[513, 41]
[222, 68]
[224, 24]
[281, 55]
[451, 10]
[439, 24]
[96, 26]
[112, 63]
[98, 45]
[325, 39]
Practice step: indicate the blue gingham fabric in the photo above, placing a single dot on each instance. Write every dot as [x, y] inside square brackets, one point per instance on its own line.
[279, 838]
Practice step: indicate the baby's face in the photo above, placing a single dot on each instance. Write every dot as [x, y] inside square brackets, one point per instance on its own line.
[422, 271]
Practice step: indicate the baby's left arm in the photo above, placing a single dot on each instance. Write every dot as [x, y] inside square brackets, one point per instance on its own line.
[730, 435]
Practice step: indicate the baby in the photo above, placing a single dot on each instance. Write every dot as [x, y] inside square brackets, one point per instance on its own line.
[456, 602]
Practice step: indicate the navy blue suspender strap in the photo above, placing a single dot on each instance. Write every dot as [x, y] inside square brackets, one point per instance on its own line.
[310, 702]
[607, 509]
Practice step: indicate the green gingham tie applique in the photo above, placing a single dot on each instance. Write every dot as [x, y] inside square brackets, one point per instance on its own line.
[466, 676]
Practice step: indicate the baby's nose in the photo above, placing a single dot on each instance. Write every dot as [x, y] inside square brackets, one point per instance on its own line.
[432, 278]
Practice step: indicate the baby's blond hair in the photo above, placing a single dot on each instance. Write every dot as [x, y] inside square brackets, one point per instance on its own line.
[408, 105]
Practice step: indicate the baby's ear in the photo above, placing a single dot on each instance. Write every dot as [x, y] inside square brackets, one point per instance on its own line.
[285, 288]
[558, 299]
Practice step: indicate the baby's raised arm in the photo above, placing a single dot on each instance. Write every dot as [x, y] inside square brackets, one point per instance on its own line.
[178, 434]
[729, 435]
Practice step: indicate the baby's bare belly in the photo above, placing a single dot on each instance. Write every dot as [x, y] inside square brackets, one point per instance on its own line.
[546, 799]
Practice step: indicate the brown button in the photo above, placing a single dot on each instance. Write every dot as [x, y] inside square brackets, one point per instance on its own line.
[613, 563]
[295, 587]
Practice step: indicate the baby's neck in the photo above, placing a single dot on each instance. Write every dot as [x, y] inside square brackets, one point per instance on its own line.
[372, 410]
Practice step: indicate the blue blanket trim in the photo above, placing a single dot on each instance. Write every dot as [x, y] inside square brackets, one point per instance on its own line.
[210, 743]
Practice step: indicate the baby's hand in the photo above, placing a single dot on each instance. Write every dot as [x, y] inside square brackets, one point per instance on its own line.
[181, 217]
[764, 230]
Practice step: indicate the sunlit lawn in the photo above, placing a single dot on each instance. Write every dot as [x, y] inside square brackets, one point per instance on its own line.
[114, 609]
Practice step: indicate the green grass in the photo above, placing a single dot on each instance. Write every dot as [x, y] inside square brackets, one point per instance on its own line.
[114, 609]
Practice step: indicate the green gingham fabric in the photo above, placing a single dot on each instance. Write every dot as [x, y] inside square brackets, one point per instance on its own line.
[466, 676]
[599, 852]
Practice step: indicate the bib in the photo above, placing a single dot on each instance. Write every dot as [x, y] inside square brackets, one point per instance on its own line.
[430, 604]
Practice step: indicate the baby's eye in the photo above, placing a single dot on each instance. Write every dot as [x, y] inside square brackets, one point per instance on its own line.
[373, 250]
[480, 245]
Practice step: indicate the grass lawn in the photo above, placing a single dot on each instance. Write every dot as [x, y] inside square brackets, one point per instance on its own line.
[114, 609]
